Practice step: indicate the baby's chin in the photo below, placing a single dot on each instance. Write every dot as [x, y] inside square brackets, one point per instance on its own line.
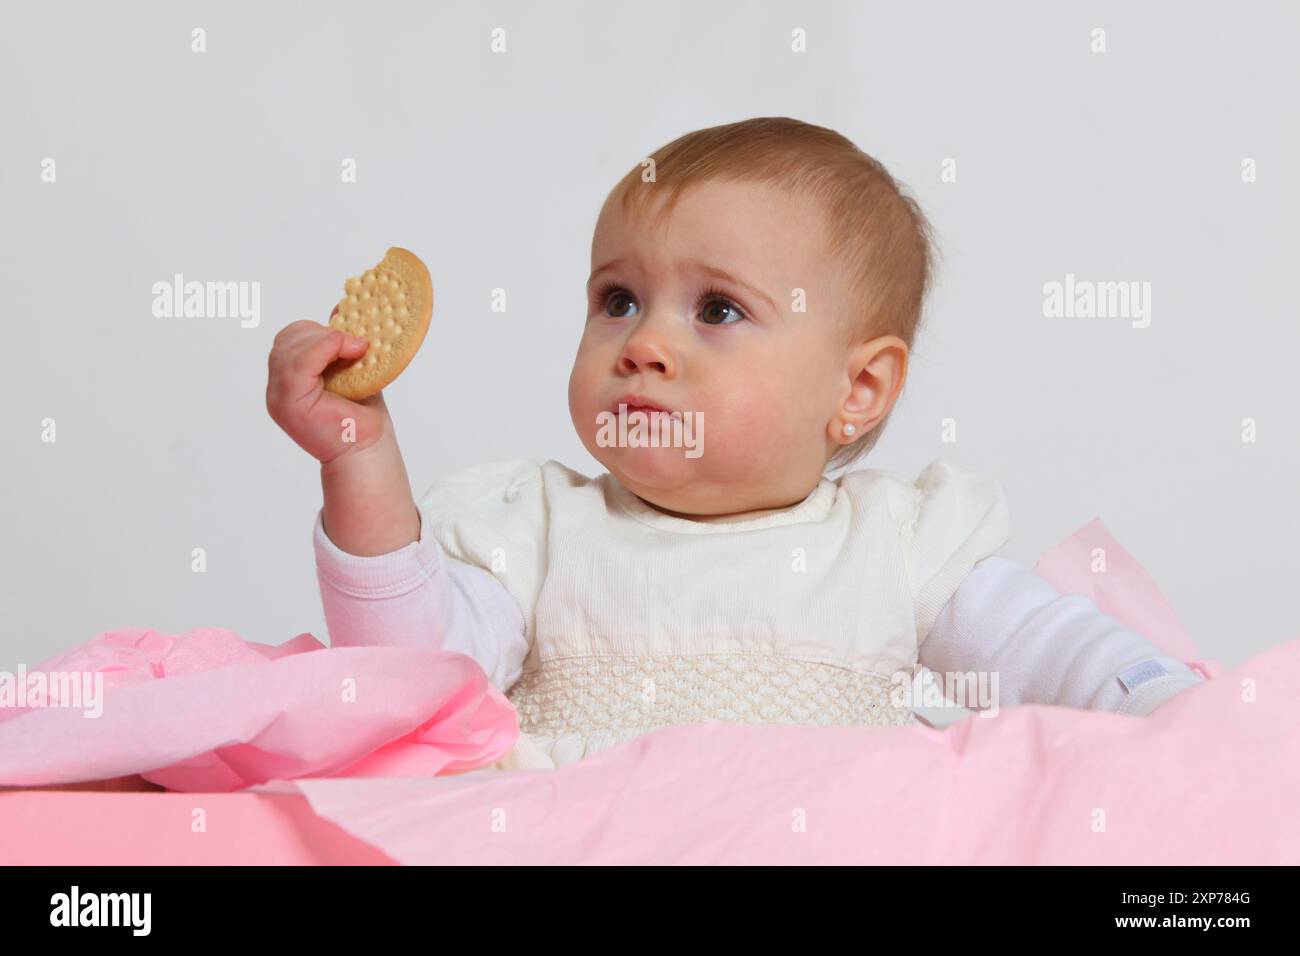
[650, 468]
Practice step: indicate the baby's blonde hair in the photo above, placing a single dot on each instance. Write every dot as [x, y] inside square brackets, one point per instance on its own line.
[878, 233]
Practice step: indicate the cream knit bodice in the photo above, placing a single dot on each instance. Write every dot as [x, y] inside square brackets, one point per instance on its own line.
[637, 619]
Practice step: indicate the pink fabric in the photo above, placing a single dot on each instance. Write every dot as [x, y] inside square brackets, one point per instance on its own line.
[209, 711]
[1124, 590]
[39, 828]
[1209, 779]
[1212, 777]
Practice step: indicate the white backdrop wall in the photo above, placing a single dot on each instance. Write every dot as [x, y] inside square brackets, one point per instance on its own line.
[1169, 158]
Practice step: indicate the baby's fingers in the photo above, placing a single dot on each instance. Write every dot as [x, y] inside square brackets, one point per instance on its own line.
[315, 355]
[297, 364]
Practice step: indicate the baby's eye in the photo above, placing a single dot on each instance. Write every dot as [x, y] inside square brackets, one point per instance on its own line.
[608, 297]
[717, 305]
[612, 303]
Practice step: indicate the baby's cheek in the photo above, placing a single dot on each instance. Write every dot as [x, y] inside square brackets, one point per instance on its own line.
[587, 418]
[583, 403]
[751, 432]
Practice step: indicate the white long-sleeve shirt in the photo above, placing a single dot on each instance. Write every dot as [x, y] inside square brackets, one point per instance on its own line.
[599, 614]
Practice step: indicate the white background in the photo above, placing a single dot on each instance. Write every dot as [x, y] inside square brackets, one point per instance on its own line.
[225, 166]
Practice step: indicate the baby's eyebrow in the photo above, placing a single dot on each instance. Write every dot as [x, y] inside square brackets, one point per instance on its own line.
[612, 264]
[709, 270]
[728, 277]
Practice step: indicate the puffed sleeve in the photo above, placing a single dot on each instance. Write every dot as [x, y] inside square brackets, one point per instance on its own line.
[960, 516]
[495, 516]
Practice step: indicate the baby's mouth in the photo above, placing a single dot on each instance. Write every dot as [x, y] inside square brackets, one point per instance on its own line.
[650, 411]
[634, 402]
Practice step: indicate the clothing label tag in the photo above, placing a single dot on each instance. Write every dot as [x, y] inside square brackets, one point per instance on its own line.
[1139, 674]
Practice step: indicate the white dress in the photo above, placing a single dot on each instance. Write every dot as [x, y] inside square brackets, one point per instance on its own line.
[602, 617]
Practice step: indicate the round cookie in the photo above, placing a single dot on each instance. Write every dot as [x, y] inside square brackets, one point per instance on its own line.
[390, 306]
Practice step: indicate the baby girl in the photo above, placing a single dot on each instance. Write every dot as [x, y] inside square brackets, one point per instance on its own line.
[764, 279]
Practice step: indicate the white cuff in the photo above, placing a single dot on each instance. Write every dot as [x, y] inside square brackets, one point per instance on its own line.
[1146, 697]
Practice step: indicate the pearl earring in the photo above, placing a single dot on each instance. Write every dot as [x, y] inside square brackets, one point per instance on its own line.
[850, 428]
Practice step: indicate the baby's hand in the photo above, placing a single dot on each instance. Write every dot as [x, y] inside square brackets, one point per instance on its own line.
[324, 424]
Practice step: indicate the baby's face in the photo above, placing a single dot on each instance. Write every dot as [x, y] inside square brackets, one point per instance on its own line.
[766, 380]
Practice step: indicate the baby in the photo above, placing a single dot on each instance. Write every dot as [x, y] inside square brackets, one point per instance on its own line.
[764, 279]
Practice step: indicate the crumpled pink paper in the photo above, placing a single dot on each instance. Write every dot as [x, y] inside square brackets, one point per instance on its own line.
[207, 710]
[1212, 777]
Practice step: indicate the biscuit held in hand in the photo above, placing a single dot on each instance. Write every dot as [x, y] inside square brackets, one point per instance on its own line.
[390, 306]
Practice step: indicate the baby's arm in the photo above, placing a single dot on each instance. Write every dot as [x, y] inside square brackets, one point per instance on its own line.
[1047, 648]
[381, 581]
[417, 596]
